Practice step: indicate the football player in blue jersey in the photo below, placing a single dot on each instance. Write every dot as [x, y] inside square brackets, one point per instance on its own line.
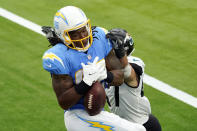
[78, 58]
[128, 100]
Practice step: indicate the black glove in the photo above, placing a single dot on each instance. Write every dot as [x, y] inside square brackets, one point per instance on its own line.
[117, 37]
[50, 35]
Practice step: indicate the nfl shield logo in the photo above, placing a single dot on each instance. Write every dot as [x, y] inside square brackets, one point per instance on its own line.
[89, 57]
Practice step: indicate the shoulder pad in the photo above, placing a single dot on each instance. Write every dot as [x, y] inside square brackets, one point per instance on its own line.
[136, 60]
[103, 29]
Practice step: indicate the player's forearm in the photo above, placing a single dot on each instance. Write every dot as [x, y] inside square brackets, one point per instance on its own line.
[124, 61]
[69, 98]
[66, 93]
[118, 78]
[129, 72]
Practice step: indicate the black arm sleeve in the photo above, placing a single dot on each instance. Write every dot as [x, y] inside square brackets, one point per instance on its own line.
[138, 71]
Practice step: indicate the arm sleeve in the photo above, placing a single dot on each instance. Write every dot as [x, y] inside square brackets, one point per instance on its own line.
[138, 69]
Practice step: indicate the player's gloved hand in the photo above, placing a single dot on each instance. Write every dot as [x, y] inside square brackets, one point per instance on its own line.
[90, 72]
[50, 35]
[102, 71]
[118, 39]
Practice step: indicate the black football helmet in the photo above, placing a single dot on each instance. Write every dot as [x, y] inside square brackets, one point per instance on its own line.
[129, 44]
[121, 38]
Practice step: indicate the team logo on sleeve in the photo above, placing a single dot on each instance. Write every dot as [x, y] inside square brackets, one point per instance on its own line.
[52, 56]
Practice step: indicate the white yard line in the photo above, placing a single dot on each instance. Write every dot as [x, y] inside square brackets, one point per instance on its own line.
[21, 21]
[167, 89]
[151, 81]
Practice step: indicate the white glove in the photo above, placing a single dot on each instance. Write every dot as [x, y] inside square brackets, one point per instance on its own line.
[102, 70]
[90, 72]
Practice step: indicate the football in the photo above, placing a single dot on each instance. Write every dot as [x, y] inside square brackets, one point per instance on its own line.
[94, 100]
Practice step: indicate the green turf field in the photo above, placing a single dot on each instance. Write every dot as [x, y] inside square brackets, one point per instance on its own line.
[165, 34]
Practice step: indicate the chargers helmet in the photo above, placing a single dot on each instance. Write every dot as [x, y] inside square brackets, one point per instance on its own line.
[69, 19]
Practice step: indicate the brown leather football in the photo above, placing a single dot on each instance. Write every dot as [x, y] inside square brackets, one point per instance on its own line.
[94, 100]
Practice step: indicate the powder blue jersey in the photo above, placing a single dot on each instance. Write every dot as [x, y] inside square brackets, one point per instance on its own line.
[62, 60]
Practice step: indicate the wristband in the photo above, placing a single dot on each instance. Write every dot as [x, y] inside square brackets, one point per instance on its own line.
[82, 88]
[110, 77]
[127, 71]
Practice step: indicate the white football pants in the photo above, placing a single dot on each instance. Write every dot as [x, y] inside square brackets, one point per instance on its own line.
[79, 120]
